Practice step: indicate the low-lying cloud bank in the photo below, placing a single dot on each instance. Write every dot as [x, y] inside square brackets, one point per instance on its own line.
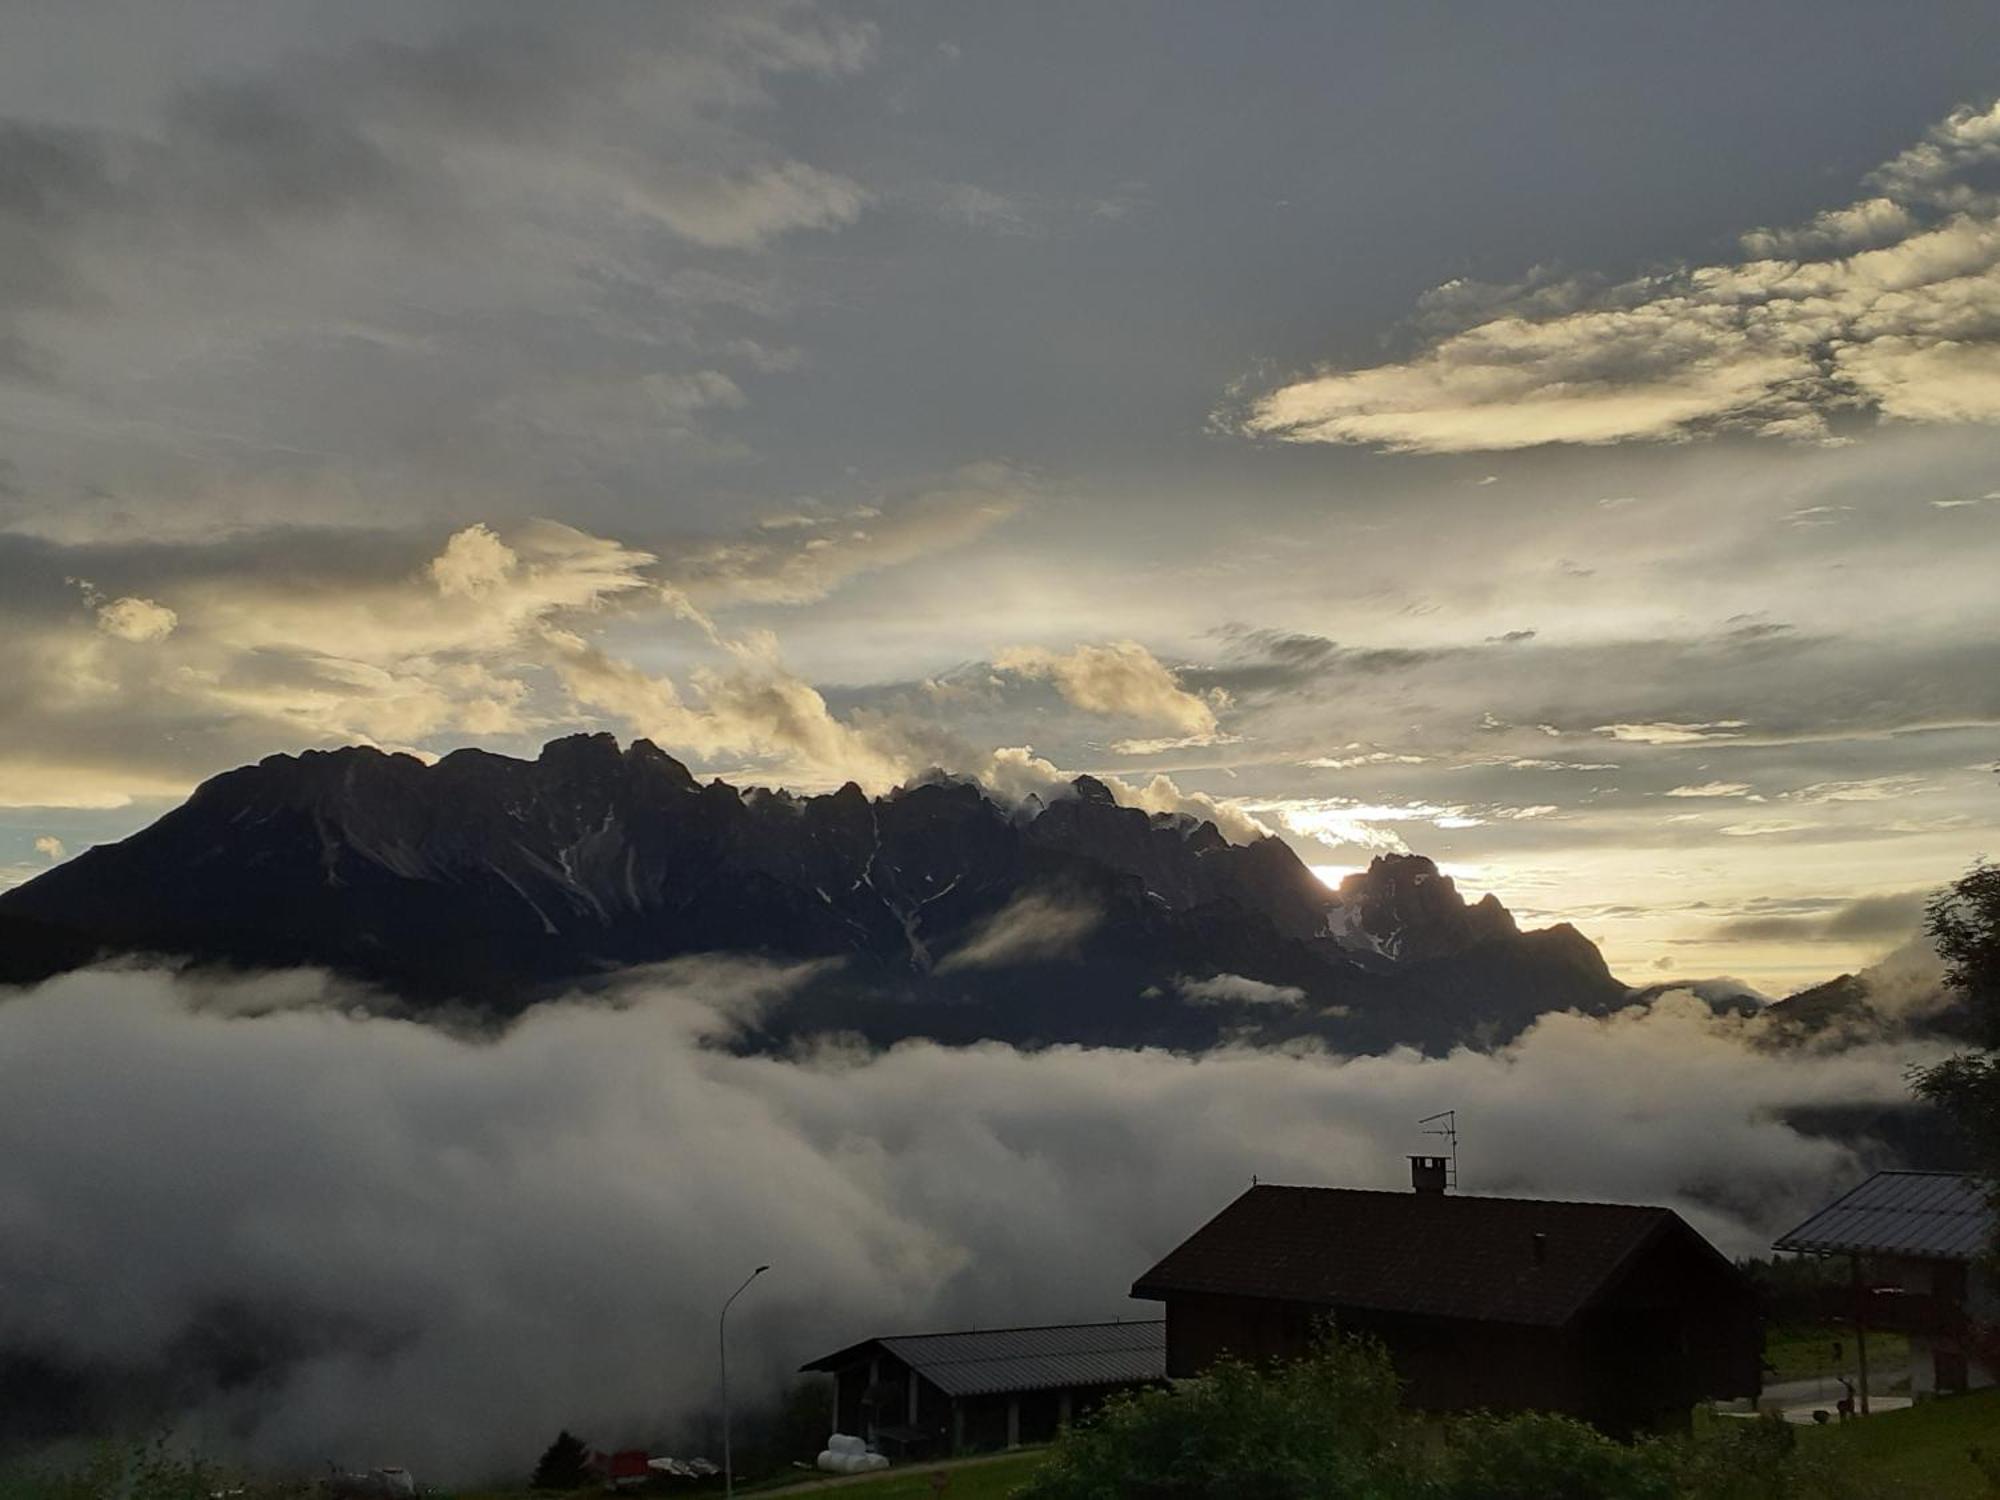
[468, 1242]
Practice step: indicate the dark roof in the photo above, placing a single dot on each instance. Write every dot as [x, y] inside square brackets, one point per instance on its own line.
[1931, 1215]
[1429, 1254]
[984, 1362]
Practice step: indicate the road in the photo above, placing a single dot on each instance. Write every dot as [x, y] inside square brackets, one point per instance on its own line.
[841, 1481]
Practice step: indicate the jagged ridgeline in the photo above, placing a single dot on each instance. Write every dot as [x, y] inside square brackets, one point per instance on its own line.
[493, 882]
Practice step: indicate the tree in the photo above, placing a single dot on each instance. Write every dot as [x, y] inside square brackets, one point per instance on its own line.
[561, 1465]
[1964, 921]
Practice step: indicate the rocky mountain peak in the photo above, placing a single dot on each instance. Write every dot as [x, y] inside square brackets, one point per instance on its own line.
[1403, 906]
[493, 880]
[1090, 789]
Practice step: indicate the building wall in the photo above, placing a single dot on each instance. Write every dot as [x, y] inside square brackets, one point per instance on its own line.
[1204, 1329]
[1694, 1324]
[1983, 1303]
[1937, 1343]
[971, 1424]
[1446, 1365]
[1679, 1327]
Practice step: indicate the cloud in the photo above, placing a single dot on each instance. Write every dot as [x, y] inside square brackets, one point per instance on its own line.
[1121, 678]
[50, 847]
[1172, 742]
[1337, 821]
[1868, 789]
[1669, 732]
[754, 707]
[383, 1224]
[1866, 919]
[1361, 757]
[448, 267]
[1035, 927]
[1757, 828]
[136, 620]
[498, 630]
[1232, 817]
[1235, 989]
[1271, 662]
[811, 556]
[743, 212]
[1710, 788]
[1866, 225]
[1889, 306]
[1014, 773]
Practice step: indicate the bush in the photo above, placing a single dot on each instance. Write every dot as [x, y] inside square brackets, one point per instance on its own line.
[1330, 1428]
[140, 1471]
[1760, 1460]
[1325, 1428]
[1540, 1456]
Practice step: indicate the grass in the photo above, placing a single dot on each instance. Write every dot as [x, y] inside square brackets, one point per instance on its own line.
[980, 1479]
[1923, 1450]
[1803, 1353]
[986, 1480]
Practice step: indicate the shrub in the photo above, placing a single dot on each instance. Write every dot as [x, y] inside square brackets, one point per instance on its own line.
[1760, 1460]
[1540, 1456]
[139, 1471]
[1325, 1428]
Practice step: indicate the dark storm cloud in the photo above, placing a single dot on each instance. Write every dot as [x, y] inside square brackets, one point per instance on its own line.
[1259, 661]
[422, 246]
[1868, 919]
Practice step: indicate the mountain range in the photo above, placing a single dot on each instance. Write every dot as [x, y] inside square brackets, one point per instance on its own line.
[490, 882]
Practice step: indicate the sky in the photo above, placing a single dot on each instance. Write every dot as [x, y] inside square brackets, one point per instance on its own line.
[1558, 440]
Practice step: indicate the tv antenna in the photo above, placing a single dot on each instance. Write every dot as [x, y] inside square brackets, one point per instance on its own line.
[1449, 1130]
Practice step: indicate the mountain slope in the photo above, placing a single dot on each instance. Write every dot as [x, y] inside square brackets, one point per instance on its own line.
[496, 882]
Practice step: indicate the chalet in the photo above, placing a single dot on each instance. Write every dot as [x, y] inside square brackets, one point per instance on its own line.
[1915, 1243]
[931, 1394]
[1621, 1315]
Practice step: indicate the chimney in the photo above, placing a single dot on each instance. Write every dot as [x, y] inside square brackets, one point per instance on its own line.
[1541, 1249]
[1427, 1173]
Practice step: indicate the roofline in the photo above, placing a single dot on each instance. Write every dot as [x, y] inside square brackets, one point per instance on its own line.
[1145, 1289]
[1892, 1252]
[840, 1355]
[1628, 1262]
[1790, 1243]
[1456, 1197]
[1923, 1172]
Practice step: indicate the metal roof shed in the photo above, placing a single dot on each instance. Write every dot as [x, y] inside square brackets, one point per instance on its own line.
[1923, 1215]
[968, 1388]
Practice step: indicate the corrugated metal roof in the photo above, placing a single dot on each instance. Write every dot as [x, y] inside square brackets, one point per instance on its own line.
[1932, 1215]
[1429, 1254]
[984, 1362]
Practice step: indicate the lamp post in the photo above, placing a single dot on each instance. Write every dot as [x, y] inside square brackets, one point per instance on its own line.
[722, 1352]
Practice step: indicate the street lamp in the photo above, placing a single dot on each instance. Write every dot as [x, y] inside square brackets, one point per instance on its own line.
[722, 1352]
